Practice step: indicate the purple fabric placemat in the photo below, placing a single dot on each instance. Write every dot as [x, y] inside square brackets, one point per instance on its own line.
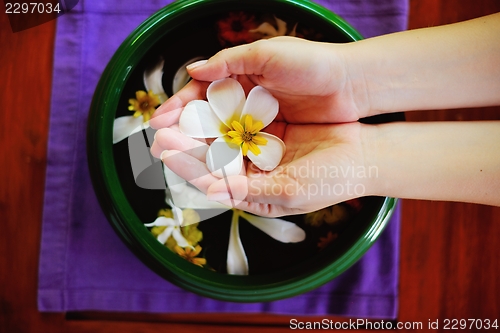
[83, 263]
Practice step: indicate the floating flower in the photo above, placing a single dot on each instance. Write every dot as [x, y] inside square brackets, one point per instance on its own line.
[144, 104]
[236, 123]
[281, 230]
[124, 127]
[190, 254]
[269, 31]
[172, 228]
[183, 194]
[236, 29]
[190, 232]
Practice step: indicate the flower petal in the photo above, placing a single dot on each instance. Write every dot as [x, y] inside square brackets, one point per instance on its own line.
[254, 148]
[153, 80]
[181, 241]
[237, 262]
[270, 154]
[267, 29]
[161, 221]
[197, 250]
[261, 105]
[197, 120]
[226, 97]
[178, 217]
[223, 154]
[281, 26]
[182, 77]
[123, 127]
[165, 235]
[281, 230]
[259, 140]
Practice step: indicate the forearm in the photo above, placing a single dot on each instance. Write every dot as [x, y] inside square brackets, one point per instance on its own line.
[450, 66]
[452, 161]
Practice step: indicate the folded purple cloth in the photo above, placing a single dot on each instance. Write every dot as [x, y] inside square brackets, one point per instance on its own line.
[83, 263]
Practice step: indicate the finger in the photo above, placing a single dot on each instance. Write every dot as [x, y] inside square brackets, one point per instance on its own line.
[265, 190]
[262, 209]
[241, 60]
[166, 119]
[171, 139]
[191, 91]
[189, 168]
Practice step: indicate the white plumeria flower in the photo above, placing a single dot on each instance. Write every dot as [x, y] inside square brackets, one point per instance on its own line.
[269, 31]
[173, 228]
[185, 196]
[126, 126]
[281, 230]
[236, 123]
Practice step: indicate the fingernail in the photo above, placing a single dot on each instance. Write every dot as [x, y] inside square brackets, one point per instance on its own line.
[162, 155]
[218, 196]
[196, 64]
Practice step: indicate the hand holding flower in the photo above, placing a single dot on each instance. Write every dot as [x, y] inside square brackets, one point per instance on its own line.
[229, 117]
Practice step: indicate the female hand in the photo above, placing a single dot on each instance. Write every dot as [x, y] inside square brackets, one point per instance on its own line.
[323, 165]
[309, 79]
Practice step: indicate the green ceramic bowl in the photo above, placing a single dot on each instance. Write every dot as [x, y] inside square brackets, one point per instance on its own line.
[179, 32]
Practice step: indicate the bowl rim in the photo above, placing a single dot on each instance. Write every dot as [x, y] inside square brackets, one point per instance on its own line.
[251, 288]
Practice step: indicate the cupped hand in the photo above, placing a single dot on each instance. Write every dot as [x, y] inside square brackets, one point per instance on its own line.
[309, 79]
[323, 165]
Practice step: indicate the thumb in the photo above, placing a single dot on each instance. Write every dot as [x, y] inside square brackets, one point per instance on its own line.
[240, 60]
[205, 70]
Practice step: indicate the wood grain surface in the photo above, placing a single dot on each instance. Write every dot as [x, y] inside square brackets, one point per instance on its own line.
[450, 263]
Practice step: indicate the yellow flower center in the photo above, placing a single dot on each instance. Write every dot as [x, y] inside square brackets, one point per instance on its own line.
[246, 135]
[144, 104]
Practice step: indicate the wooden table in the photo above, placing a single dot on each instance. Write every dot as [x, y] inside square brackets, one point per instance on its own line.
[450, 262]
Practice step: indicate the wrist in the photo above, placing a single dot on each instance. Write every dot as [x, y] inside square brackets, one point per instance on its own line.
[370, 147]
[360, 79]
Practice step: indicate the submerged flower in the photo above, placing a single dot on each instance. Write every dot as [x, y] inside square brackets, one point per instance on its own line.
[236, 123]
[325, 241]
[144, 104]
[355, 204]
[236, 29]
[190, 254]
[329, 215]
[268, 30]
[281, 230]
